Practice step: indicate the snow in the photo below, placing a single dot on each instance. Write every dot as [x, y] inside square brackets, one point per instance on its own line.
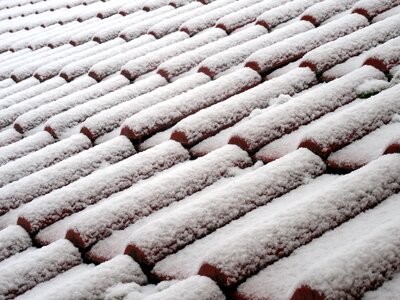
[235, 20]
[9, 136]
[88, 190]
[112, 32]
[222, 115]
[190, 59]
[389, 13]
[18, 87]
[172, 185]
[7, 116]
[29, 68]
[389, 290]
[202, 22]
[167, 113]
[82, 66]
[109, 119]
[59, 123]
[172, 24]
[13, 239]
[131, 32]
[151, 61]
[85, 35]
[192, 288]
[199, 217]
[37, 116]
[380, 259]
[267, 285]
[91, 283]
[290, 142]
[9, 66]
[301, 110]
[323, 11]
[44, 181]
[222, 61]
[25, 146]
[346, 197]
[337, 51]
[36, 266]
[292, 48]
[385, 56]
[16, 110]
[53, 68]
[354, 122]
[41, 158]
[106, 67]
[187, 261]
[366, 149]
[371, 9]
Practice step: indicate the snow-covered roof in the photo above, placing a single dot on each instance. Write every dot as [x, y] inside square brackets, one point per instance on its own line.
[199, 149]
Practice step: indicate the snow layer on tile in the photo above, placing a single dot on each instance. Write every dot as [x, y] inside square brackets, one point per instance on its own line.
[85, 35]
[232, 21]
[9, 136]
[44, 181]
[290, 142]
[239, 257]
[9, 66]
[7, 116]
[109, 119]
[189, 59]
[389, 13]
[37, 116]
[29, 69]
[59, 123]
[209, 121]
[367, 271]
[187, 261]
[92, 283]
[157, 192]
[366, 149]
[16, 110]
[172, 24]
[301, 110]
[156, 240]
[100, 184]
[116, 243]
[385, 56]
[167, 113]
[82, 66]
[389, 290]
[151, 61]
[13, 239]
[6, 83]
[53, 68]
[283, 13]
[192, 288]
[18, 87]
[25, 146]
[55, 283]
[131, 32]
[112, 32]
[37, 266]
[267, 285]
[321, 12]
[42, 158]
[199, 23]
[233, 56]
[337, 51]
[371, 9]
[353, 123]
[106, 67]
[292, 48]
